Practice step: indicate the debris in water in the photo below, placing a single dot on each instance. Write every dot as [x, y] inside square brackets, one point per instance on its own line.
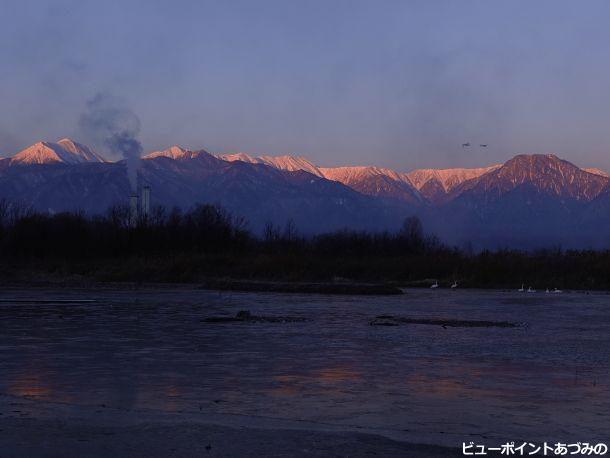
[389, 320]
[244, 316]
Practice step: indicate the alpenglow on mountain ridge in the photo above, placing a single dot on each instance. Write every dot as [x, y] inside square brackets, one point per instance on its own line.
[529, 201]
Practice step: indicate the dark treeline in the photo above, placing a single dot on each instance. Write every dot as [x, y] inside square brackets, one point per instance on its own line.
[208, 242]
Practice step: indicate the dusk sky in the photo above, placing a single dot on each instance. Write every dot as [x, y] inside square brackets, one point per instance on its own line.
[396, 84]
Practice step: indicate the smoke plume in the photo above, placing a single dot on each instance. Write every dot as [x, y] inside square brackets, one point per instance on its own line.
[107, 122]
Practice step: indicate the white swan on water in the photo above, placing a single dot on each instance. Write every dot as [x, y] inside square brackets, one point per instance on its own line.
[455, 285]
[531, 290]
[522, 289]
[435, 285]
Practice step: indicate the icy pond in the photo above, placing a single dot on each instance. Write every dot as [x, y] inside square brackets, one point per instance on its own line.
[547, 379]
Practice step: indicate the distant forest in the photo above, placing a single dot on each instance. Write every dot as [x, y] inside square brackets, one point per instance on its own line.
[207, 242]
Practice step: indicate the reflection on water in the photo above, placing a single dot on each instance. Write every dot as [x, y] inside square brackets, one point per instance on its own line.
[334, 375]
[327, 380]
[435, 386]
[30, 384]
[548, 379]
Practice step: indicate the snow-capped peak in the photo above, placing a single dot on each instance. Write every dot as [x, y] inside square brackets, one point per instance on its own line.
[289, 163]
[600, 172]
[365, 179]
[347, 175]
[174, 152]
[232, 157]
[80, 150]
[65, 151]
[546, 173]
[448, 178]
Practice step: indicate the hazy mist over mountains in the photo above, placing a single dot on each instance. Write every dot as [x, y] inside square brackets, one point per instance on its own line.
[529, 201]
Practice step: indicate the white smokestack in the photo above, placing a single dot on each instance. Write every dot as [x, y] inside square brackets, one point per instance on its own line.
[133, 210]
[145, 201]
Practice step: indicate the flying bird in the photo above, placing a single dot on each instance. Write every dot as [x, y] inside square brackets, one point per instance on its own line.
[483, 146]
[465, 145]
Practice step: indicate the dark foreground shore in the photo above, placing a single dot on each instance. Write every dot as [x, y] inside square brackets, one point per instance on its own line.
[39, 429]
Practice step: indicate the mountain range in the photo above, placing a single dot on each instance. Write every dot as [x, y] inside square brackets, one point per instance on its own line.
[530, 201]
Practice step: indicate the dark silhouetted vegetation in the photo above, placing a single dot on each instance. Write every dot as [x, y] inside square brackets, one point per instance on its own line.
[207, 244]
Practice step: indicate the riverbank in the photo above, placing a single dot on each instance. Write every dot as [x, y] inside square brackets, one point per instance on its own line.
[37, 280]
[342, 287]
[499, 270]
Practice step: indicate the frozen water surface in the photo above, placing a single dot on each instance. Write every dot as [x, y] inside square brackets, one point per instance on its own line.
[149, 349]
